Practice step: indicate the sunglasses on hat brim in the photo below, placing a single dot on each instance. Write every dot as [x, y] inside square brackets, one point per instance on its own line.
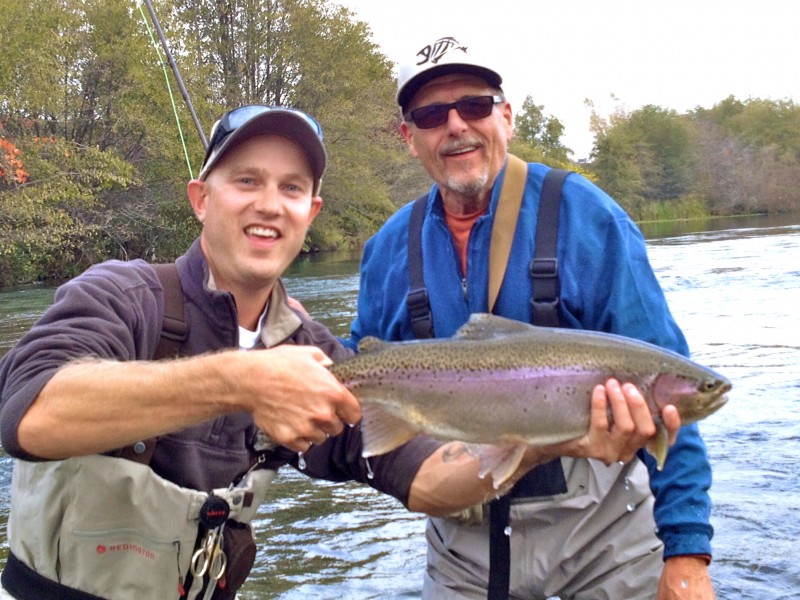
[234, 119]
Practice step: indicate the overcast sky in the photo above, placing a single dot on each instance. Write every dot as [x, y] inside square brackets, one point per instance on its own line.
[677, 54]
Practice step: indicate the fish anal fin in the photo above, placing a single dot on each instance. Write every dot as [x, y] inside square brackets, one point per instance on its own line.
[658, 446]
[500, 461]
[485, 326]
[381, 431]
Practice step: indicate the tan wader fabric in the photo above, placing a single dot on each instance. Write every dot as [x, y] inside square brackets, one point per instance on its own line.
[112, 527]
[595, 542]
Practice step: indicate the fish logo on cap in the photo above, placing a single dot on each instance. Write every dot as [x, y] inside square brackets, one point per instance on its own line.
[444, 56]
[434, 52]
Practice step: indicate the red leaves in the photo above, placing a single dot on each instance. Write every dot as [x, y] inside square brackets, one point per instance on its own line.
[11, 168]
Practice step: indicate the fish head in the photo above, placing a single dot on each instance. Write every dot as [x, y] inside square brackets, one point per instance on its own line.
[696, 396]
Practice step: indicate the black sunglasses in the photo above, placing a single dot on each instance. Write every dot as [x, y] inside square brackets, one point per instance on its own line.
[234, 119]
[469, 109]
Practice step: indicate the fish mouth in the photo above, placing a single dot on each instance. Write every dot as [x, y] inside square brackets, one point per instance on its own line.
[703, 406]
[717, 403]
[721, 397]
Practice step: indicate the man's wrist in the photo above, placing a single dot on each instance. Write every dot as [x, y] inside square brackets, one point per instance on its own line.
[705, 559]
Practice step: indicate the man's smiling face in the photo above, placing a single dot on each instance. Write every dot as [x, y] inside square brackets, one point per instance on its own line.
[255, 206]
[463, 157]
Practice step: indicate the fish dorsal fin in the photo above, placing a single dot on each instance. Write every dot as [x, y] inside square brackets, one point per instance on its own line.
[485, 326]
[371, 344]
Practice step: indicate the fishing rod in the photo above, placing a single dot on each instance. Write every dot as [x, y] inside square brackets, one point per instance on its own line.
[173, 65]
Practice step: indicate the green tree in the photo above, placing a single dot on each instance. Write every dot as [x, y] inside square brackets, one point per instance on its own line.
[749, 155]
[665, 151]
[312, 55]
[538, 136]
[763, 123]
[644, 156]
[86, 75]
[54, 223]
[79, 73]
[615, 158]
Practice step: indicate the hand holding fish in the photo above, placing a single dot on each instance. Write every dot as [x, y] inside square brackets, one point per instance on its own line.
[631, 426]
[446, 483]
[299, 403]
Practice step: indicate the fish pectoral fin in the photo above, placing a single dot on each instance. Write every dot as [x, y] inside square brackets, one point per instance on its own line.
[500, 462]
[382, 432]
[658, 445]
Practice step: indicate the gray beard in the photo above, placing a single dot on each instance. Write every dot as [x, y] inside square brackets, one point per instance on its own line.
[470, 189]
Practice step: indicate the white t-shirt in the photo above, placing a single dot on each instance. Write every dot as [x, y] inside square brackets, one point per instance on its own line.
[248, 339]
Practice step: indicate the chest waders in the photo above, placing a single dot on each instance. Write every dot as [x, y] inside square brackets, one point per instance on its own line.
[237, 542]
[150, 528]
[547, 479]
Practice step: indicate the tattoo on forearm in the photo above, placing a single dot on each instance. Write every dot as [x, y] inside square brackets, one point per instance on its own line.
[453, 451]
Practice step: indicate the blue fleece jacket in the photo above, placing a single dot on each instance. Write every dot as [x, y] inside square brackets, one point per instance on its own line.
[607, 284]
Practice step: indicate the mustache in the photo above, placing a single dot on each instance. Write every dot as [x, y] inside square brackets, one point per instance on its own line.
[460, 144]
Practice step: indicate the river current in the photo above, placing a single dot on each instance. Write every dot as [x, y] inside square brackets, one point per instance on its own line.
[735, 291]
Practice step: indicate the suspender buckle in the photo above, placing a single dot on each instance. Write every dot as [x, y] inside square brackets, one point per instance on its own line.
[545, 298]
[544, 268]
[419, 309]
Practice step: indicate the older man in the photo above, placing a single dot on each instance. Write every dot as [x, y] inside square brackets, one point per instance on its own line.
[578, 528]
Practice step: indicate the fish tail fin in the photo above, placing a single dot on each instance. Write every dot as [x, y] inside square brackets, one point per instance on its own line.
[658, 446]
[382, 432]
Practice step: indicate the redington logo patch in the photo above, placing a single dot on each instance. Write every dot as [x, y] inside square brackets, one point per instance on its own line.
[149, 554]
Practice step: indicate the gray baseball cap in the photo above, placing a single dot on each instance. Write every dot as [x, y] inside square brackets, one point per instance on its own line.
[443, 57]
[246, 121]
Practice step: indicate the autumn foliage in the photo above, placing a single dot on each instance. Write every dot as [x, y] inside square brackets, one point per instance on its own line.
[12, 170]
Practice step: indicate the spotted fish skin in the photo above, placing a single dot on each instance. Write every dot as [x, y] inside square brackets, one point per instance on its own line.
[504, 382]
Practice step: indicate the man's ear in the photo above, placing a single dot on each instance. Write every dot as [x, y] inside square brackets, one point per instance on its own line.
[406, 131]
[316, 206]
[508, 120]
[196, 190]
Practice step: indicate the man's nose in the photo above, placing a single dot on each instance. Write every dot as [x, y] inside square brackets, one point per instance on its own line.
[268, 200]
[454, 121]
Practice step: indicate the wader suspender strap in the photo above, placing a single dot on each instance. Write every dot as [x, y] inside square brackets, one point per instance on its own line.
[544, 266]
[417, 302]
[505, 224]
[173, 334]
[173, 328]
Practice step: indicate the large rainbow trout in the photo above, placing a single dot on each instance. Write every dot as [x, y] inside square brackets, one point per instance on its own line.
[506, 383]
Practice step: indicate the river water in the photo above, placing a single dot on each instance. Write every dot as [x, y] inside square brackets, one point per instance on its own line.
[734, 287]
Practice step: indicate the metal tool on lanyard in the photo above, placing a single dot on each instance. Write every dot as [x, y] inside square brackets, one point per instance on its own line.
[210, 558]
